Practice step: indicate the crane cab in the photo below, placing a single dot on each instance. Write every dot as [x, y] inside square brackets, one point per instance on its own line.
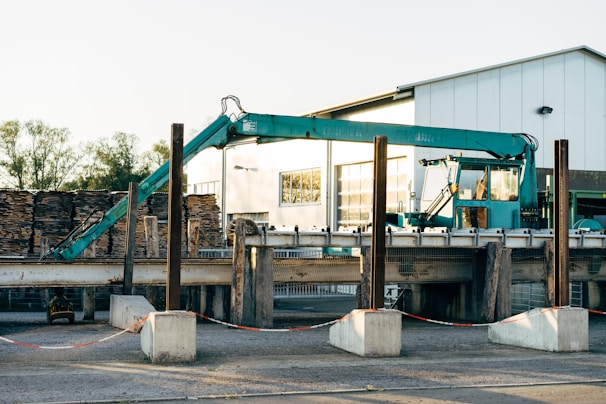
[462, 192]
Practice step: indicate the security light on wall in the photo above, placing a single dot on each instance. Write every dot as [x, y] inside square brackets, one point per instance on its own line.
[237, 167]
[545, 110]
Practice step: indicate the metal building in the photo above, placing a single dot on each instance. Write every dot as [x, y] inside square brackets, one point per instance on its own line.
[560, 95]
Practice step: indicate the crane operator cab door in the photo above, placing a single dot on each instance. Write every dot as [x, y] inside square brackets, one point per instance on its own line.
[487, 195]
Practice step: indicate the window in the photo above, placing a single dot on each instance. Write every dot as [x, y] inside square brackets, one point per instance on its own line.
[504, 183]
[300, 187]
[473, 183]
[260, 218]
[355, 188]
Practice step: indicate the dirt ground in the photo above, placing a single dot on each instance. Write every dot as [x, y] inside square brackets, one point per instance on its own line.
[437, 364]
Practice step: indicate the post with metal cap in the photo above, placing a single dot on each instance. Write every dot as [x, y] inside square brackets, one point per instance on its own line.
[373, 332]
[170, 336]
[377, 274]
[561, 223]
[175, 202]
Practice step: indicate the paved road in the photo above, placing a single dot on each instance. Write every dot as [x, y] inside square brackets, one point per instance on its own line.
[438, 364]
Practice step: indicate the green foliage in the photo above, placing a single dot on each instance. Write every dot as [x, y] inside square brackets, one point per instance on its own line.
[35, 155]
[111, 164]
[158, 155]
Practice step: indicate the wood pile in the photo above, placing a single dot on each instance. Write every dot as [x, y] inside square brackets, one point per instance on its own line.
[118, 230]
[16, 226]
[91, 206]
[204, 208]
[28, 218]
[52, 218]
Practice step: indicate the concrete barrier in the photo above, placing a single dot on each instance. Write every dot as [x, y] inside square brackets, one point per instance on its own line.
[169, 336]
[562, 329]
[376, 333]
[127, 310]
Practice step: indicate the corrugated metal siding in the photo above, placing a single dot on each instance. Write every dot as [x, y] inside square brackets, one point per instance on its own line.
[507, 98]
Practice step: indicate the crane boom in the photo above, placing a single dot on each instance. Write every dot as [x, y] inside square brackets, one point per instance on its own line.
[274, 128]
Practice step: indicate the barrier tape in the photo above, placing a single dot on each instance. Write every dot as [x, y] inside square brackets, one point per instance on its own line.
[82, 345]
[244, 327]
[512, 320]
[292, 329]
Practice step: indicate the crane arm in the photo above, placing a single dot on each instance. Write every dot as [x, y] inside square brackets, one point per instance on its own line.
[270, 128]
[274, 128]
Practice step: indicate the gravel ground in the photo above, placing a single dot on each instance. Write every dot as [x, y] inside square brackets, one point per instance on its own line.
[437, 364]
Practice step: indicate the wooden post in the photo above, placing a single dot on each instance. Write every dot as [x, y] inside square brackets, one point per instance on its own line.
[88, 292]
[239, 263]
[503, 307]
[561, 223]
[152, 251]
[194, 302]
[263, 280]
[44, 294]
[549, 273]
[151, 236]
[131, 228]
[377, 277]
[363, 292]
[175, 202]
[493, 265]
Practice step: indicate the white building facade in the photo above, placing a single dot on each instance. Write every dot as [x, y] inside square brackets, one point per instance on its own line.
[315, 184]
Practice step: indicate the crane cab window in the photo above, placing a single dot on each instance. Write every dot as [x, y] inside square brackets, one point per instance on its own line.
[504, 183]
[472, 216]
[473, 183]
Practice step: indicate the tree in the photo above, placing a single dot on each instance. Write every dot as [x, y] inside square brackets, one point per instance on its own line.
[36, 156]
[14, 160]
[158, 155]
[111, 164]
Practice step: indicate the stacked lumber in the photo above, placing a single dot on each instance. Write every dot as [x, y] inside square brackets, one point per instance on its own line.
[16, 226]
[118, 233]
[204, 208]
[52, 218]
[90, 206]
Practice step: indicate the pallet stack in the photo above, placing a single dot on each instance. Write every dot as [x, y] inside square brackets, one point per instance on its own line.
[204, 208]
[92, 205]
[118, 230]
[52, 218]
[16, 226]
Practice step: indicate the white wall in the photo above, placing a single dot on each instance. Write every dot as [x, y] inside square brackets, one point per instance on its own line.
[506, 99]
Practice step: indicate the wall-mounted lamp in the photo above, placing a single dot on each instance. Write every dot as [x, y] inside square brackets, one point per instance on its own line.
[545, 110]
[237, 167]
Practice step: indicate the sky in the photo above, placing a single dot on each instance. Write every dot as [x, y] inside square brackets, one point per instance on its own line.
[137, 66]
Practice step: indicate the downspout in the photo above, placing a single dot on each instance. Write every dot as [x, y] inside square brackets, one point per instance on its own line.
[329, 190]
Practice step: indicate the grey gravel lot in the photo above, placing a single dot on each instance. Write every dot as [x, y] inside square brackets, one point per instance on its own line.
[437, 364]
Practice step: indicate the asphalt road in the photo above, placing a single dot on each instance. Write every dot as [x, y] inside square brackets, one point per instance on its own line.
[437, 364]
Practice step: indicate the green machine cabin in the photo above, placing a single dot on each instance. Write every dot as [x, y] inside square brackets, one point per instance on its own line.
[464, 192]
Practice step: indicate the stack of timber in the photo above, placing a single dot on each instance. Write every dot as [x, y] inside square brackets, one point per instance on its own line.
[52, 218]
[205, 209]
[119, 230]
[16, 226]
[91, 206]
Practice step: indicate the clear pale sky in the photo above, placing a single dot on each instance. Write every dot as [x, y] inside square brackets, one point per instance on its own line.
[137, 66]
